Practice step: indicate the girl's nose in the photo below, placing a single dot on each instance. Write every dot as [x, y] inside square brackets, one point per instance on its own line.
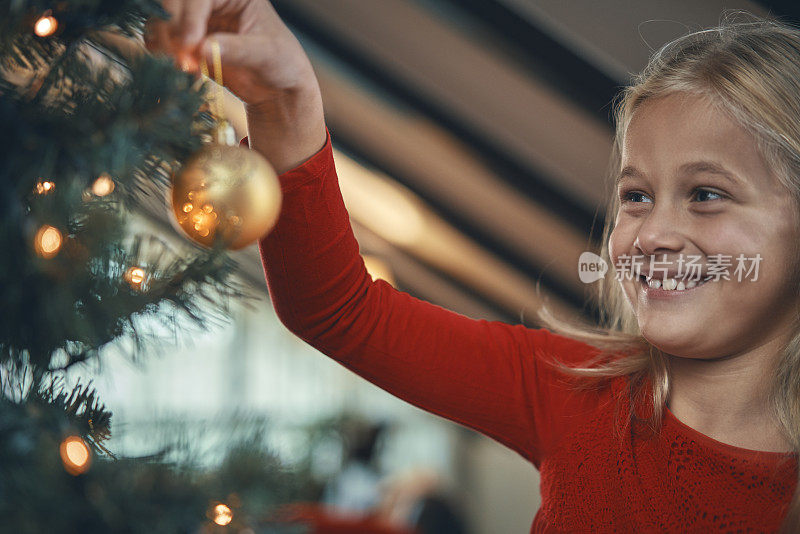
[659, 233]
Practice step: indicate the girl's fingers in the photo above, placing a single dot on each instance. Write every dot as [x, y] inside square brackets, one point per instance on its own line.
[160, 34]
[254, 43]
[175, 8]
[194, 23]
[155, 35]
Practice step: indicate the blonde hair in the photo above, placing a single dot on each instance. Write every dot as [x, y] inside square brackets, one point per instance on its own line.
[751, 70]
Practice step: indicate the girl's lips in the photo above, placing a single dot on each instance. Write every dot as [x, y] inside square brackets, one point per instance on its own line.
[667, 293]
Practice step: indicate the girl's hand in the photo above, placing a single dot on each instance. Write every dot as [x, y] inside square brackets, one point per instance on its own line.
[262, 63]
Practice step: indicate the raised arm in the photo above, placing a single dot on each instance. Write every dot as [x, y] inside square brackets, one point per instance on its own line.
[482, 374]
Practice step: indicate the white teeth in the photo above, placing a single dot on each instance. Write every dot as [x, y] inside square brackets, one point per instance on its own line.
[669, 284]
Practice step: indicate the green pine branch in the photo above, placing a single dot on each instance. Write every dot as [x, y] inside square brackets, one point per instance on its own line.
[130, 119]
[76, 108]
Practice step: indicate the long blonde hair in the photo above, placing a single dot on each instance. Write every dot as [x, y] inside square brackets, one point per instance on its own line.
[752, 70]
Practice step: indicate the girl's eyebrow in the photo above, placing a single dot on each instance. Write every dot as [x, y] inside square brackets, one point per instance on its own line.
[693, 167]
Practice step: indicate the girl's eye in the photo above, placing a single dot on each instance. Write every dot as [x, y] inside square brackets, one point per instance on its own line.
[632, 196]
[705, 192]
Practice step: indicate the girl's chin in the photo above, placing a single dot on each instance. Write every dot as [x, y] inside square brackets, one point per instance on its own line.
[671, 348]
[681, 338]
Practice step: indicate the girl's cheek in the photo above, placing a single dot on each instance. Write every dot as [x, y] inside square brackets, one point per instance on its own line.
[617, 238]
[616, 247]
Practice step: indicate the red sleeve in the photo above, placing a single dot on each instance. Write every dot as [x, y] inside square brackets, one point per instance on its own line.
[481, 374]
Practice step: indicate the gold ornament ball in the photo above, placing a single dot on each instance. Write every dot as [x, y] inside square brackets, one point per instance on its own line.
[228, 192]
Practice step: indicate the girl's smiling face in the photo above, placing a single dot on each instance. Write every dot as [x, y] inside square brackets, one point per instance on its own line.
[694, 184]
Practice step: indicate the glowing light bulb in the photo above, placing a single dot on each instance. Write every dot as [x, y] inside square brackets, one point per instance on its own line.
[103, 186]
[222, 515]
[44, 186]
[187, 207]
[74, 455]
[47, 241]
[135, 276]
[46, 25]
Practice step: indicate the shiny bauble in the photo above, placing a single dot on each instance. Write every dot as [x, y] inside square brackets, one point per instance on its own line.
[228, 193]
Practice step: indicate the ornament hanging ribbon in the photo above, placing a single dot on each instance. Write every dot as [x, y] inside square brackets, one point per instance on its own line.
[216, 57]
[224, 132]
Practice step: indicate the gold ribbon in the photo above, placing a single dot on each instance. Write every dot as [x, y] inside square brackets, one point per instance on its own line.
[217, 100]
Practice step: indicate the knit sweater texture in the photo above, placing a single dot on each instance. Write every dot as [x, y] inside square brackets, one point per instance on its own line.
[597, 473]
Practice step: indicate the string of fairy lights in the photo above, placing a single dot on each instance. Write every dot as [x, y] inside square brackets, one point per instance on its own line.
[49, 239]
[77, 458]
[75, 455]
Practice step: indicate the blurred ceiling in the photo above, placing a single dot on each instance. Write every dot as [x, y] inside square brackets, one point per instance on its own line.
[492, 118]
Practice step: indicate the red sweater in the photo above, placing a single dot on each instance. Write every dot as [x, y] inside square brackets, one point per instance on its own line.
[492, 377]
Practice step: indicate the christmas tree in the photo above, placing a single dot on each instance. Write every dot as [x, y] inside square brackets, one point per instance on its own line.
[91, 136]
